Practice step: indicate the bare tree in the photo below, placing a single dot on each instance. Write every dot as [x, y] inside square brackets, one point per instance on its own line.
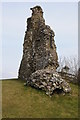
[70, 62]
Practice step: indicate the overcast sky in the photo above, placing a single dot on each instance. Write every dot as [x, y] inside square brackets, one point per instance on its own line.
[61, 17]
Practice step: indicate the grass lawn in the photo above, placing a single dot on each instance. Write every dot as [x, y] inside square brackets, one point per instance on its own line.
[19, 101]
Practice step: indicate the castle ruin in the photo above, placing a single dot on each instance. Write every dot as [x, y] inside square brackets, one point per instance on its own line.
[40, 59]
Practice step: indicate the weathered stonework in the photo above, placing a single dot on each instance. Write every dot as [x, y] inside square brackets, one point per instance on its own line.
[39, 54]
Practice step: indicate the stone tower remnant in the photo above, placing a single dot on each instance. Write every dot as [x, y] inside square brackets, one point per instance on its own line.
[40, 59]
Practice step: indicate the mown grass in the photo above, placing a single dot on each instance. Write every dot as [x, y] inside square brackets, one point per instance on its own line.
[19, 101]
[0, 100]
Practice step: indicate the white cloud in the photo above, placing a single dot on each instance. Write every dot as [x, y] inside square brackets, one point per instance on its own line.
[14, 25]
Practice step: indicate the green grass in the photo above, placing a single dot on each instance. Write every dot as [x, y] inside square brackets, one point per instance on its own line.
[19, 101]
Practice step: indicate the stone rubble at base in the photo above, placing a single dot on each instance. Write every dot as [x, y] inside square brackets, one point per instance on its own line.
[40, 59]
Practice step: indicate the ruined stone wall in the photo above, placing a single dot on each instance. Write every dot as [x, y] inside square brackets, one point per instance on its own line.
[39, 49]
[40, 60]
